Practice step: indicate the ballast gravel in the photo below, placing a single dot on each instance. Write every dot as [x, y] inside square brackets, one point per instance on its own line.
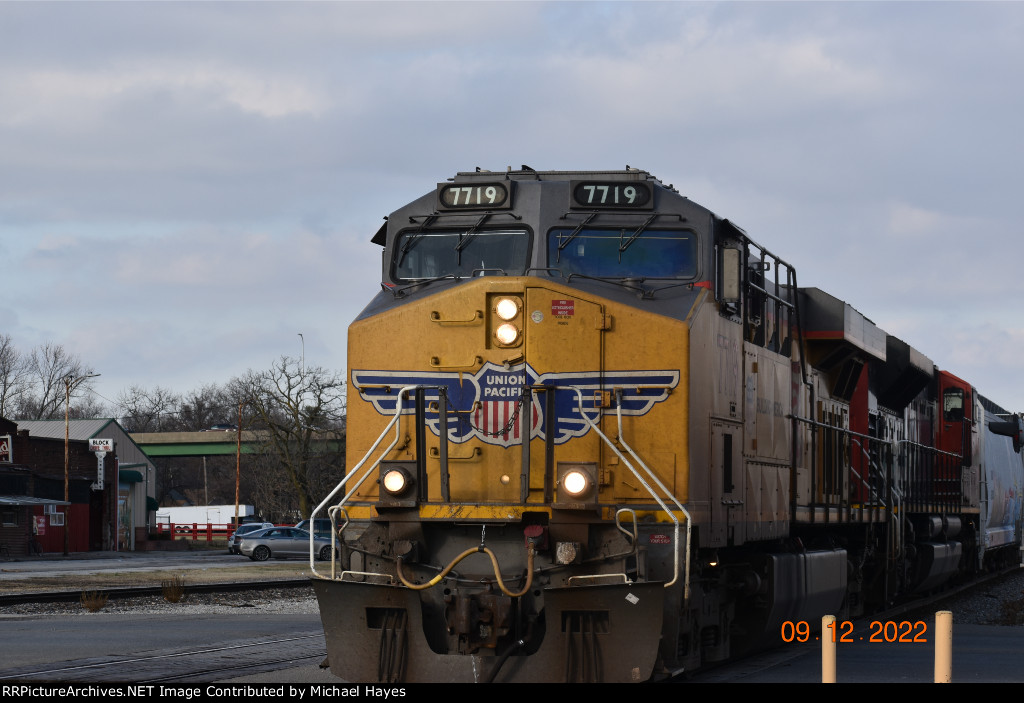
[999, 602]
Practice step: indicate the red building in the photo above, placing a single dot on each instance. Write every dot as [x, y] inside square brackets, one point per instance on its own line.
[33, 485]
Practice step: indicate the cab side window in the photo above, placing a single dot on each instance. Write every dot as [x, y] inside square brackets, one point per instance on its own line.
[953, 405]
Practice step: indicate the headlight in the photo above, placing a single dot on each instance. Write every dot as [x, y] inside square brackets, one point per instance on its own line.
[507, 334]
[575, 483]
[395, 481]
[397, 484]
[507, 308]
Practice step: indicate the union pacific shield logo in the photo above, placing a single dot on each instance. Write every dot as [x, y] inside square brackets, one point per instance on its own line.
[488, 405]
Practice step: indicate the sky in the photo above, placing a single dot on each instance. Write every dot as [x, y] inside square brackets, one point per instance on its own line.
[186, 188]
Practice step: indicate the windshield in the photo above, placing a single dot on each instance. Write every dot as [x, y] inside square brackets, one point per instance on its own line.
[430, 254]
[614, 253]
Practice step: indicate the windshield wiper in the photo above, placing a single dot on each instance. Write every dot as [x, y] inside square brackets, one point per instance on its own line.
[639, 230]
[634, 283]
[619, 281]
[579, 228]
[400, 292]
[467, 236]
[414, 237]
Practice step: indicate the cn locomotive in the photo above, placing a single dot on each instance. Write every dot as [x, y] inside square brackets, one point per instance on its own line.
[596, 433]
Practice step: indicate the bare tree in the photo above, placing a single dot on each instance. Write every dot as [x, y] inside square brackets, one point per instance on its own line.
[14, 376]
[145, 410]
[302, 411]
[89, 406]
[206, 406]
[49, 365]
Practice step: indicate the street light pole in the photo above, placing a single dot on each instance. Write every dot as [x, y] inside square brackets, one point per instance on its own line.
[302, 367]
[69, 382]
[238, 458]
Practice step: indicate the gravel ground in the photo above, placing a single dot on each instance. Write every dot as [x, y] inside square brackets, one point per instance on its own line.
[1000, 602]
[274, 600]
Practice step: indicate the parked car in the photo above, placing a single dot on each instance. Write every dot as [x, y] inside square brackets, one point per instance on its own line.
[243, 530]
[283, 542]
[321, 527]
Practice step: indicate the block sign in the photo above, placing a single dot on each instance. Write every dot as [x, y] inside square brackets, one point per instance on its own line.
[101, 445]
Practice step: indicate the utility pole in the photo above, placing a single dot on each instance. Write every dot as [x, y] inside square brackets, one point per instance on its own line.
[69, 383]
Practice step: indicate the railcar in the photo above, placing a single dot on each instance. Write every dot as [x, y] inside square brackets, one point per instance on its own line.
[598, 433]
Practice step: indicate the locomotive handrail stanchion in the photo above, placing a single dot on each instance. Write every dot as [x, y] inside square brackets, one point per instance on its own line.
[442, 419]
[420, 409]
[332, 513]
[635, 536]
[525, 432]
[350, 474]
[549, 443]
[654, 477]
[634, 539]
[636, 474]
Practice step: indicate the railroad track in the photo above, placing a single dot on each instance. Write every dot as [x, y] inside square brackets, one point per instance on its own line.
[73, 595]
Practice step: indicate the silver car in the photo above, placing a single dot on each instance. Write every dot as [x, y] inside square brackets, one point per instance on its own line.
[283, 542]
[243, 530]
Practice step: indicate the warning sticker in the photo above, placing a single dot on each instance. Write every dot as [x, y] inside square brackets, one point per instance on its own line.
[563, 308]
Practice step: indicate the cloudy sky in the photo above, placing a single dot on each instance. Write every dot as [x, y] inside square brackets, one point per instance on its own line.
[187, 187]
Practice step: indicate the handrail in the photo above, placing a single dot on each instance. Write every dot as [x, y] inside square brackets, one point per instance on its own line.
[935, 450]
[333, 511]
[478, 316]
[683, 510]
[636, 474]
[355, 469]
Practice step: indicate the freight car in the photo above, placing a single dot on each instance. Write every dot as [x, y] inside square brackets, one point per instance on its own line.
[597, 433]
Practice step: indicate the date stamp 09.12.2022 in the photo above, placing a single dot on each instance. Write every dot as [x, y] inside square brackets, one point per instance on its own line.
[888, 631]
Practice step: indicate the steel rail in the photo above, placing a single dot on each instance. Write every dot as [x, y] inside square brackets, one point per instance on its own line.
[73, 595]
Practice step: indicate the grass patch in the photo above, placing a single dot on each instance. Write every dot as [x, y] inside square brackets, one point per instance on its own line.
[173, 588]
[93, 601]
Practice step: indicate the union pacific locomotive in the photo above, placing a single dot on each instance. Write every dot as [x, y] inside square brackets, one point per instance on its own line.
[597, 433]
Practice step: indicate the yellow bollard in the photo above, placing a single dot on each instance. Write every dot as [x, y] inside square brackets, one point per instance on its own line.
[828, 649]
[944, 646]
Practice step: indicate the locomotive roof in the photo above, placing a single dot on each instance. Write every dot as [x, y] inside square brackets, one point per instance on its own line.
[525, 173]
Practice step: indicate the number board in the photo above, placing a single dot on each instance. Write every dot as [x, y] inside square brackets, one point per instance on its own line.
[624, 195]
[474, 196]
